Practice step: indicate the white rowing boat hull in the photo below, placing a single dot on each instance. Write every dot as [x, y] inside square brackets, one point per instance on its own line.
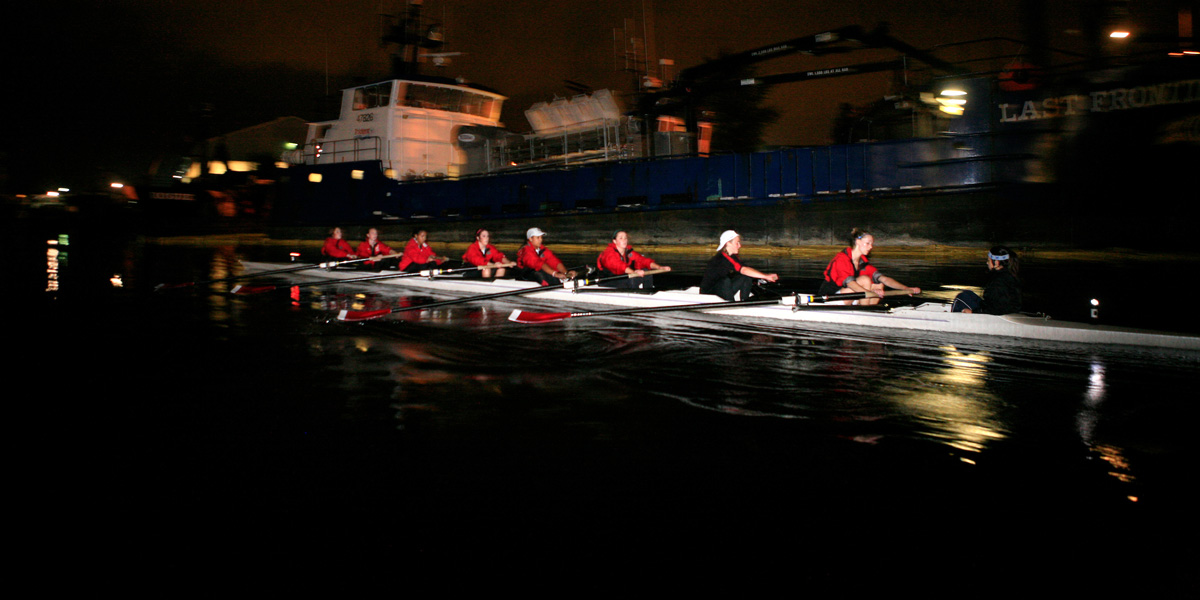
[933, 317]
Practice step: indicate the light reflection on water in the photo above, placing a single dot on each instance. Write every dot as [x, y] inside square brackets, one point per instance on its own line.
[868, 389]
[828, 397]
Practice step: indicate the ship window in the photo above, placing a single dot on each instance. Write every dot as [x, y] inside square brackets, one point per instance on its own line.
[447, 99]
[372, 96]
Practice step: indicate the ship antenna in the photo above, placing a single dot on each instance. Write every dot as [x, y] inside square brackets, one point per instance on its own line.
[410, 34]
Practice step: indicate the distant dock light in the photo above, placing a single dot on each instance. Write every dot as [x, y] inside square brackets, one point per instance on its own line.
[116, 185]
[1119, 34]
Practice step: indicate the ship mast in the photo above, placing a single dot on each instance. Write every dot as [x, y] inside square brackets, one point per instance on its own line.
[411, 34]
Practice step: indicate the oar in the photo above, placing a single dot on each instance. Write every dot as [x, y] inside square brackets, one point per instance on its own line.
[363, 315]
[796, 301]
[242, 290]
[324, 265]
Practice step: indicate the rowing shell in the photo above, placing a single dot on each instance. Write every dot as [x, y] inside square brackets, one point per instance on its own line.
[929, 317]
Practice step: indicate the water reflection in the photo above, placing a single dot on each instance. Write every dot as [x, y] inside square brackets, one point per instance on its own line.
[1088, 421]
[466, 369]
[953, 403]
[53, 264]
[280, 405]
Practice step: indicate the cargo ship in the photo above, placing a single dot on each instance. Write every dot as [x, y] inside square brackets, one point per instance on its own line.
[1080, 154]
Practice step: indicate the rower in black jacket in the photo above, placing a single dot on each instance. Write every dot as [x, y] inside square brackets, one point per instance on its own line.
[1002, 295]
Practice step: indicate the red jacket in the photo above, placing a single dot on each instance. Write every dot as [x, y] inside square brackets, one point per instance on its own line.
[841, 269]
[336, 248]
[611, 260]
[365, 250]
[477, 257]
[416, 254]
[530, 258]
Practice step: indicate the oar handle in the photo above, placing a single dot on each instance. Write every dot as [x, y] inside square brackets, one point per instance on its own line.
[816, 299]
[571, 284]
[366, 258]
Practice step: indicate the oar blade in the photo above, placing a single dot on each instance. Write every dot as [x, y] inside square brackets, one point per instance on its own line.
[173, 286]
[362, 315]
[524, 316]
[244, 290]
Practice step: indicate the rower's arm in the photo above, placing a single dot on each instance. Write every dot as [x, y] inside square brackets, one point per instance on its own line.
[756, 274]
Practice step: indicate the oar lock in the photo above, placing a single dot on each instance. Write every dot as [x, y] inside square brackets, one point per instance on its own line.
[796, 300]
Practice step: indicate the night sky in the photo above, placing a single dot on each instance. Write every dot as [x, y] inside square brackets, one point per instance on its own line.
[105, 88]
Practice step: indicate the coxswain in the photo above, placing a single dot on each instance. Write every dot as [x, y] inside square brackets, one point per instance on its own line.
[726, 276]
[850, 271]
[482, 254]
[336, 247]
[537, 263]
[370, 247]
[619, 258]
[417, 254]
[1002, 296]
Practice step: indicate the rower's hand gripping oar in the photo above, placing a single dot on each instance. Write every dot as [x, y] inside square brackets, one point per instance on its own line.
[430, 273]
[325, 265]
[796, 301]
[570, 284]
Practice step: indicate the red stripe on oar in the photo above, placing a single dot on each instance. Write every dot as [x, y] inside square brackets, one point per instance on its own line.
[363, 315]
[251, 289]
[532, 317]
[173, 286]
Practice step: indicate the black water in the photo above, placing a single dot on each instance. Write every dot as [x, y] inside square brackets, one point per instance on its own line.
[193, 433]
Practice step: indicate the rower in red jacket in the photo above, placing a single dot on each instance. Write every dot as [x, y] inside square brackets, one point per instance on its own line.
[373, 247]
[621, 259]
[336, 247]
[418, 254]
[851, 272]
[537, 263]
[482, 254]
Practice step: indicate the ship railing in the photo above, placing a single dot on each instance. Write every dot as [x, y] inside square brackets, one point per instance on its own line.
[605, 139]
[336, 151]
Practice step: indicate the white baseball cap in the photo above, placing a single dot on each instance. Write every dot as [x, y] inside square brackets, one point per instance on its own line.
[534, 231]
[726, 238]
